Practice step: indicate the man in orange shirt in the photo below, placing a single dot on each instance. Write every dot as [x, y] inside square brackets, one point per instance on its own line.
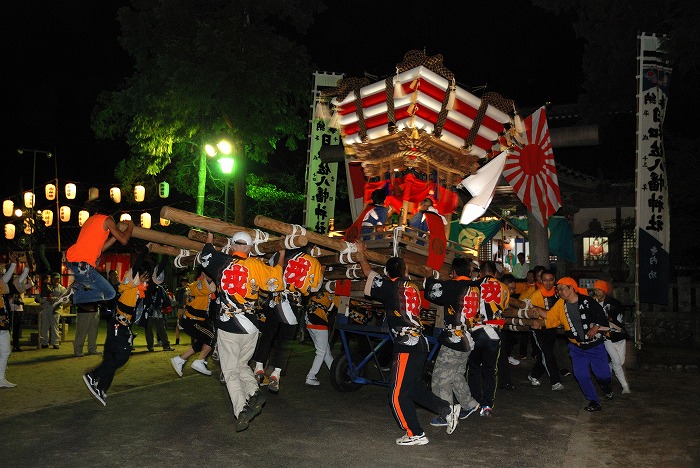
[98, 234]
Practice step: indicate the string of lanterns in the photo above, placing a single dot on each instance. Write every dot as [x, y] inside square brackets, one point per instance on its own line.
[51, 192]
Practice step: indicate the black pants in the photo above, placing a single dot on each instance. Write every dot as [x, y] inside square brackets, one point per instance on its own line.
[116, 353]
[201, 331]
[407, 387]
[159, 325]
[16, 328]
[545, 360]
[482, 367]
[508, 339]
[277, 334]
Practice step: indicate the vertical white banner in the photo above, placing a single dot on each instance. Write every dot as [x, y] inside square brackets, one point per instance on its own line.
[652, 210]
[321, 177]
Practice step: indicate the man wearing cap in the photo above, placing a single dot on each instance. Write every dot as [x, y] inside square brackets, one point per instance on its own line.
[51, 289]
[616, 341]
[239, 279]
[584, 323]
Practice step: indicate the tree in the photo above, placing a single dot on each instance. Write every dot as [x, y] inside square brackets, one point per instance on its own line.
[610, 28]
[204, 69]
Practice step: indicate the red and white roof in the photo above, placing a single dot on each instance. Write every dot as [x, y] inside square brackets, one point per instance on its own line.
[427, 89]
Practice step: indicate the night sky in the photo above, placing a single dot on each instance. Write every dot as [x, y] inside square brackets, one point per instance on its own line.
[63, 54]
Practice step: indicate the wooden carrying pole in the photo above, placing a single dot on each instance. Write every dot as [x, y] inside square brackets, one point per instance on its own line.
[263, 247]
[150, 235]
[334, 244]
[172, 251]
[202, 222]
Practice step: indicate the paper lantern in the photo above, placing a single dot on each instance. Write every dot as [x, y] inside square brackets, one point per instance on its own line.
[50, 191]
[9, 231]
[115, 194]
[83, 215]
[93, 193]
[146, 220]
[18, 213]
[125, 217]
[164, 222]
[139, 193]
[47, 217]
[29, 199]
[70, 191]
[64, 214]
[28, 225]
[8, 207]
[163, 190]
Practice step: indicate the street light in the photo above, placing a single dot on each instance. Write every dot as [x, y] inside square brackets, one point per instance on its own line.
[49, 155]
[226, 164]
[223, 149]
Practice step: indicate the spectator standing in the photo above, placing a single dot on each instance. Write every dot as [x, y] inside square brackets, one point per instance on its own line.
[87, 322]
[51, 289]
[20, 283]
[5, 326]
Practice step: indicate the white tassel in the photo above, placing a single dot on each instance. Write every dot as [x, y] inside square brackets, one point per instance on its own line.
[398, 87]
[519, 127]
[335, 120]
[453, 96]
[322, 111]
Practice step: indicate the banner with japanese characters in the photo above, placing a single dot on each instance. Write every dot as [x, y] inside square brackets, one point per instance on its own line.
[321, 177]
[652, 185]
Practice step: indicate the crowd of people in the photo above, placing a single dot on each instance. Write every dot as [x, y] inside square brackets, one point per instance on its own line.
[243, 311]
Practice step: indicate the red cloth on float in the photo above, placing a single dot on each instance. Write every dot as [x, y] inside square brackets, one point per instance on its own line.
[342, 287]
[353, 232]
[437, 247]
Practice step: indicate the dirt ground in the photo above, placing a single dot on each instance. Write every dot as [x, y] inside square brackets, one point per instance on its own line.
[154, 418]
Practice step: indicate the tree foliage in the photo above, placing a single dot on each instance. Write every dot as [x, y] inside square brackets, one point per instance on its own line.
[610, 28]
[204, 69]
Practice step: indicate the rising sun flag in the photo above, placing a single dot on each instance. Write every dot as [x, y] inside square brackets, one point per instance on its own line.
[530, 169]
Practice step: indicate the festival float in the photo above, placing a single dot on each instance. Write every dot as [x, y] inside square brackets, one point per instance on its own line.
[414, 135]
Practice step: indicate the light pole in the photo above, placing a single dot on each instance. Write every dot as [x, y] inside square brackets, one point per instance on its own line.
[49, 155]
[223, 149]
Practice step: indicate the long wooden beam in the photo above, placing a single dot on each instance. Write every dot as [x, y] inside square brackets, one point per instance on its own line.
[334, 244]
[270, 246]
[203, 222]
[150, 235]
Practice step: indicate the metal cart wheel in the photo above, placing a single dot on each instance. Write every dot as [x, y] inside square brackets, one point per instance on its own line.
[340, 376]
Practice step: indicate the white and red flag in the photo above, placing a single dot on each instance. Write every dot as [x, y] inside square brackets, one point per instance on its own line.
[530, 169]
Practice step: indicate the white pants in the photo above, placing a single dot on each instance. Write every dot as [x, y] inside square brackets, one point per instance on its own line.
[5, 351]
[616, 351]
[323, 350]
[235, 350]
